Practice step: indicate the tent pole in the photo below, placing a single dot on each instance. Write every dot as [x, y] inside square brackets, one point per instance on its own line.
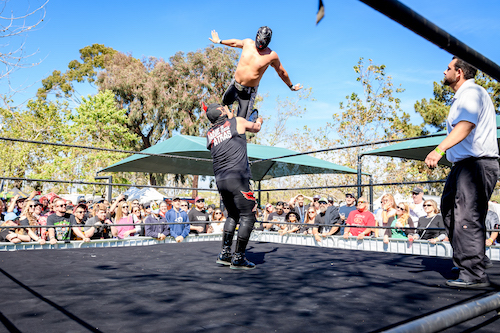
[371, 193]
[110, 186]
[260, 202]
[359, 174]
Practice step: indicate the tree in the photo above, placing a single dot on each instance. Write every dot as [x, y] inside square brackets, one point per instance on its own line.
[435, 110]
[160, 98]
[14, 27]
[38, 121]
[97, 123]
[93, 60]
[13, 31]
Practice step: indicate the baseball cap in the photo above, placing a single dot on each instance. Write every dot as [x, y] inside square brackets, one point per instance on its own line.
[323, 200]
[214, 112]
[417, 190]
[349, 195]
[330, 199]
[11, 217]
[316, 196]
[198, 198]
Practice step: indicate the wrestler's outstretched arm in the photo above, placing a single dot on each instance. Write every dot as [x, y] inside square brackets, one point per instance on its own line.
[228, 42]
[244, 125]
[284, 75]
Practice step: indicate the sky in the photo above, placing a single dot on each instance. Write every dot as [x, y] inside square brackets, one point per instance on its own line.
[318, 56]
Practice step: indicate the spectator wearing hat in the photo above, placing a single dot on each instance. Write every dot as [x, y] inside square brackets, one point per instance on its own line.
[99, 225]
[155, 230]
[58, 220]
[180, 230]
[291, 217]
[16, 205]
[329, 214]
[12, 235]
[315, 202]
[198, 214]
[147, 209]
[345, 210]
[417, 207]
[331, 201]
[45, 204]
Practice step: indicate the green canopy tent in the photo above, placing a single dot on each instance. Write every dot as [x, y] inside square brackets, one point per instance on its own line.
[195, 147]
[419, 148]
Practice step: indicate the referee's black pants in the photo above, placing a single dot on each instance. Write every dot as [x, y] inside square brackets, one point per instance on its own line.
[464, 205]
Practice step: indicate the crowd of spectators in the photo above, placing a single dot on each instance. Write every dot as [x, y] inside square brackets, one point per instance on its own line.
[62, 220]
[51, 218]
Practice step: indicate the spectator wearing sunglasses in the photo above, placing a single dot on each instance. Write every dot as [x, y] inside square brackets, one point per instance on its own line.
[402, 219]
[58, 221]
[417, 207]
[218, 219]
[198, 214]
[277, 216]
[360, 217]
[79, 218]
[432, 220]
[123, 216]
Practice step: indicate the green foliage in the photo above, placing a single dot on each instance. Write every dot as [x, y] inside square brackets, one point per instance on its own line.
[92, 57]
[38, 121]
[158, 97]
[435, 110]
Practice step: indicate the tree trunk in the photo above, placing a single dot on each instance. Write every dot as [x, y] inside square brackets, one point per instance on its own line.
[195, 185]
[152, 179]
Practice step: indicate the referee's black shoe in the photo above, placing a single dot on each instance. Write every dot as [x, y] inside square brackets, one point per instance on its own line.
[240, 262]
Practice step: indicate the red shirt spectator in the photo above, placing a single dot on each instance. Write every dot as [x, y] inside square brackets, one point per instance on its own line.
[360, 217]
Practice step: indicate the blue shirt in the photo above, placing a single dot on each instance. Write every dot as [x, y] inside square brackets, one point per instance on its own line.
[178, 229]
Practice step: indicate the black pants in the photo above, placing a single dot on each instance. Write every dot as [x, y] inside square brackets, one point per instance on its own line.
[244, 95]
[464, 205]
[240, 204]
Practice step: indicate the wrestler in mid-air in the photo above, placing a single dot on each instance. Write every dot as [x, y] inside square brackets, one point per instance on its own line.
[255, 57]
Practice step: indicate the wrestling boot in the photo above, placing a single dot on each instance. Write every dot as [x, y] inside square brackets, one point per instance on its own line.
[225, 255]
[239, 261]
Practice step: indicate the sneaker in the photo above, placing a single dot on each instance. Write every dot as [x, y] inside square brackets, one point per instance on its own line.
[459, 283]
[240, 262]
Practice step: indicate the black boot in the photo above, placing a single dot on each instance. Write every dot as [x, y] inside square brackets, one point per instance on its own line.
[225, 256]
[239, 261]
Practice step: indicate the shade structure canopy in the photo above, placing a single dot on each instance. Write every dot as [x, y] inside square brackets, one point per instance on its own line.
[192, 146]
[418, 149]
